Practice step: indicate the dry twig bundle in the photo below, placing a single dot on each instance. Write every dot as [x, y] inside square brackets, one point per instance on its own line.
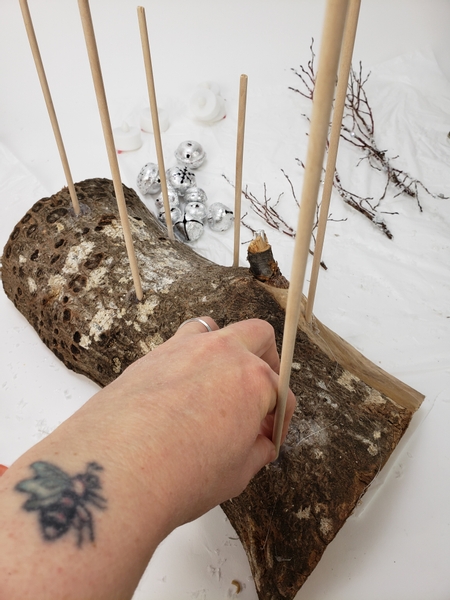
[358, 129]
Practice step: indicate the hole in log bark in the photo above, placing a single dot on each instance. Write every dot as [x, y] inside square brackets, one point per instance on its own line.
[77, 337]
[103, 221]
[66, 315]
[93, 261]
[19, 291]
[74, 349]
[56, 331]
[65, 300]
[78, 283]
[35, 255]
[15, 233]
[8, 251]
[37, 207]
[85, 230]
[59, 243]
[31, 229]
[55, 215]
[26, 218]
[102, 339]
[54, 258]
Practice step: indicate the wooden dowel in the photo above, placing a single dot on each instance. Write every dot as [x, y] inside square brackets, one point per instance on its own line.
[239, 166]
[323, 98]
[94, 61]
[155, 117]
[345, 65]
[49, 102]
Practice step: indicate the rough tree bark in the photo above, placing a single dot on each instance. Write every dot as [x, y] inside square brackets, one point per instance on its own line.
[69, 276]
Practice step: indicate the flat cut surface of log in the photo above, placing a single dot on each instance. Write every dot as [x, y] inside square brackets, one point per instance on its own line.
[70, 277]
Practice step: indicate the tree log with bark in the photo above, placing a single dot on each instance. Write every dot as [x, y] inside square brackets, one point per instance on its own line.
[70, 277]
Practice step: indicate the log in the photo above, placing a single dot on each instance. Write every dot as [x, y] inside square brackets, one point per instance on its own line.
[70, 277]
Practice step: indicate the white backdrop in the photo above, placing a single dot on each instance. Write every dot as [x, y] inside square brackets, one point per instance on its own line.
[390, 299]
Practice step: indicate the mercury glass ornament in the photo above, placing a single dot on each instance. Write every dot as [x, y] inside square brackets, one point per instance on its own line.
[195, 194]
[220, 217]
[148, 180]
[175, 213]
[195, 211]
[173, 199]
[190, 154]
[180, 178]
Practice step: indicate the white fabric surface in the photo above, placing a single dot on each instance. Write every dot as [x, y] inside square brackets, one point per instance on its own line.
[389, 299]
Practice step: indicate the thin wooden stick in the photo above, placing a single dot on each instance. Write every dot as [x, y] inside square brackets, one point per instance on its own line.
[94, 61]
[323, 98]
[49, 102]
[155, 118]
[345, 64]
[239, 165]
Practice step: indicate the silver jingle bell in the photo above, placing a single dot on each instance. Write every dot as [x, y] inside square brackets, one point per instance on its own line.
[195, 211]
[175, 213]
[220, 217]
[195, 194]
[180, 178]
[188, 231]
[173, 199]
[190, 154]
[148, 180]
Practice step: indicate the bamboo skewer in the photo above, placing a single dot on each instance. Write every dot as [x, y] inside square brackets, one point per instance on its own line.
[239, 166]
[49, 102]
[345, 64]
[94, 61]
[323, 98]
[155, 118]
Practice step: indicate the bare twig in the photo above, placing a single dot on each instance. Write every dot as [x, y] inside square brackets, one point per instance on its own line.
[307, 76]
[358, 129]
[266, 210]
[362, 204]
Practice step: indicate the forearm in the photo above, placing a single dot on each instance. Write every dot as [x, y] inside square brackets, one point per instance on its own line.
[102, 539]
[82, 512]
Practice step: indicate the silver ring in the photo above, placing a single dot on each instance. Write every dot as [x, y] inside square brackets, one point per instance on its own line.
[196, 319]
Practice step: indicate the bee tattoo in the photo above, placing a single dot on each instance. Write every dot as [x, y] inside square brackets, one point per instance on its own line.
[61, 500]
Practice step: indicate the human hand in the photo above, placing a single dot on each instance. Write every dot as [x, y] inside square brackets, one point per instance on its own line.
[180, 431]
[208, 400]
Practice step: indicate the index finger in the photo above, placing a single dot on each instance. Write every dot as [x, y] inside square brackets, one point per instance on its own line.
[259, 338]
